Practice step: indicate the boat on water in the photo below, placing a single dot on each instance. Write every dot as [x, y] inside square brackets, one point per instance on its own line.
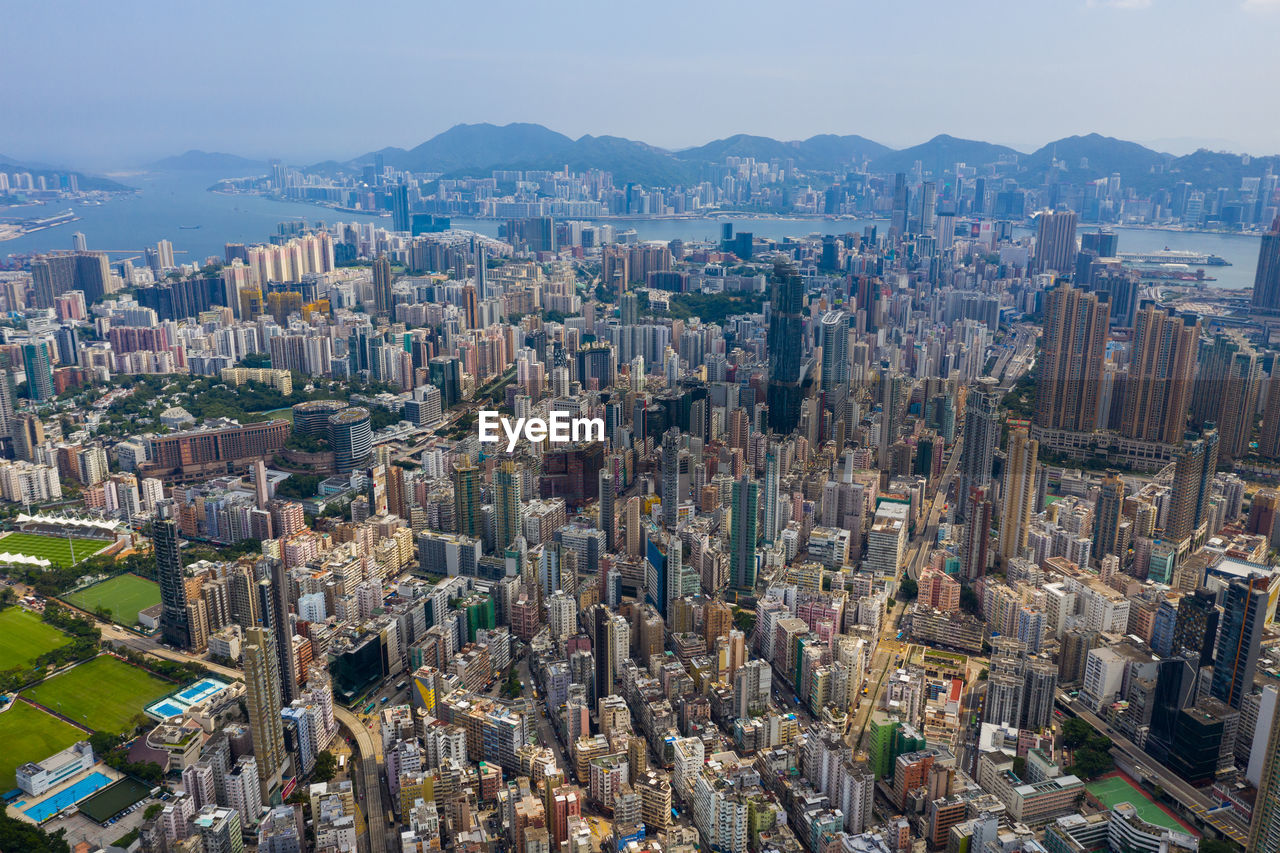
[189, 227]
[1175, 256]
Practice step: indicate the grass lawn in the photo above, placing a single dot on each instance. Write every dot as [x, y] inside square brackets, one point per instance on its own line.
[285, 414]
[55, 549]
[29, 734]
[104, 694]
[23, 638]
[123, 595]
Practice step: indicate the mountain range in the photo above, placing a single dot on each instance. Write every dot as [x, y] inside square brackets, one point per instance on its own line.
[473, 150]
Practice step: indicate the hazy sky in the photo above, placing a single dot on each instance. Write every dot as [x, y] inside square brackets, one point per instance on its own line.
[103, 85]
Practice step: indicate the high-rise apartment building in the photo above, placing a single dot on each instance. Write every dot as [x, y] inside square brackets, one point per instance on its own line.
[1071, 359]
[382, 285]
[466, 498]
[1226, 392]
[1107, 516]
[1193, 471]
[1056, 242]
[262, 693]
[1162, 363]
[1018, 496]
[981, 434]
[508, 509]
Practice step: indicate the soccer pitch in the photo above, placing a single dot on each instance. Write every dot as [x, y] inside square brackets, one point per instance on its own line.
[1113, 789]
[29, 734]
[105, 694]
[55, 549]
[23, 638]
[123, 595]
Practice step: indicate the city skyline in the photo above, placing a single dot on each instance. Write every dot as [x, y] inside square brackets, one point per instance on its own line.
[526, 69]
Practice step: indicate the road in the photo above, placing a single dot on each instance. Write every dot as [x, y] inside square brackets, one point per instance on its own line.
[1194, 801]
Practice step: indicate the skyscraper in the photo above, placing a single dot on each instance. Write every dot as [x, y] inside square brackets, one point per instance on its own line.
[1196, 628]
[262, 694]
[608, 500]
[1071, 359]
[835, 350]
[742, 556]
[981, 435]
[1019, 493]
[508, 508]
[1244, 614]
[466, 498]
[977, 533]
[382, 285]
[1193, 470]
[603, 652]
[1056, 242]
[771, 475]
[1266, 281]
[1162, 363]
[1226, 391]
[400, 207]
[174, 628]
[1264, 831]
[671, 477]
[786, 345]
[1106, 522]
[39, 368]
[351, 436]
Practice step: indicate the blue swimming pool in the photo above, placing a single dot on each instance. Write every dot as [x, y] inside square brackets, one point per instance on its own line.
[200, 690]
[166, 709]
[72, 794]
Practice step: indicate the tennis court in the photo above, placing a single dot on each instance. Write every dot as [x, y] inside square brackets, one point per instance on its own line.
[1116, 787]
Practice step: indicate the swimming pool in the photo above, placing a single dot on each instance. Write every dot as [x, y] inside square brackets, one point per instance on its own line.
[177, 703]
[200, 690]
[70, 795]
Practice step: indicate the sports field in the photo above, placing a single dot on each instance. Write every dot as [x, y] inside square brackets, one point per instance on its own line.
[23, 638]
[55, 549]
[104, 694]
[29, 734]
[123, 595]
[113, 799]
[1117, 788]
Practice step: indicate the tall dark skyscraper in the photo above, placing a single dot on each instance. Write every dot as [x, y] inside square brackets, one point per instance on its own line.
[977, 533]
[608, 499]
[981, 435]
[744, 521]
[898, 224]
[603, 653]
[1266, 281]
[282, 628]
[1244, 613]
[1196, 628]
[786, 346]
[1075, 343]
[174, 627]
[382, 284]
[671, 477]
